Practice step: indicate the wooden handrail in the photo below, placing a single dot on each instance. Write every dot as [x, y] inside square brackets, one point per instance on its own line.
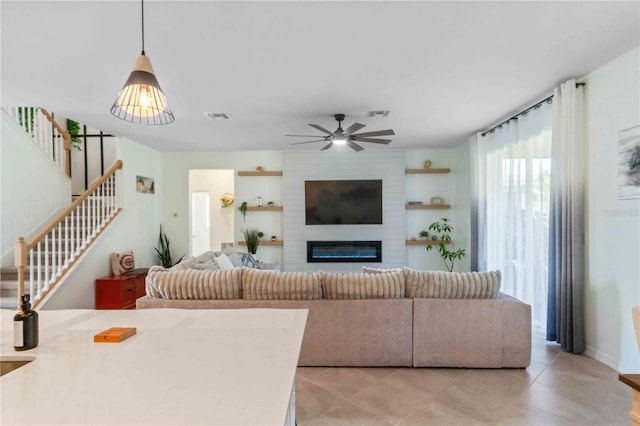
[54, 222]
[66, 137]
[53, 121]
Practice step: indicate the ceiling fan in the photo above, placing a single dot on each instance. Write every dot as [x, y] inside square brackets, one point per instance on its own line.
[346, 136]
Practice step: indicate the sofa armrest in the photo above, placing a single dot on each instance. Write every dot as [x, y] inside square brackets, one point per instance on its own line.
[516, 332]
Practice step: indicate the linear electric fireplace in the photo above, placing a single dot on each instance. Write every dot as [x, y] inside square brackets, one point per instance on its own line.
[344, 251]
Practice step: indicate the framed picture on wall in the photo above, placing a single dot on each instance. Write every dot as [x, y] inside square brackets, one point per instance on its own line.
[629, 163]
[436, 200]
[145, 185]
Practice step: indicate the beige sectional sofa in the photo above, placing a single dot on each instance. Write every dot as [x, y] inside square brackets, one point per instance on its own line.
[370, 319]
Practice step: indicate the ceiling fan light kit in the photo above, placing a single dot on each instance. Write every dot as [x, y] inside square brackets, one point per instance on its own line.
[347, 136]
[141, 99]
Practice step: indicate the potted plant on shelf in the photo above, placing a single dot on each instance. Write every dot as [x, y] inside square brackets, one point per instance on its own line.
[252, 238]
[243, 211]
[424, 235]
[443, 230]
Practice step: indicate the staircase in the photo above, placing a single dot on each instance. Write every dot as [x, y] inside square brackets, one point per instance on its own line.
[43, 261]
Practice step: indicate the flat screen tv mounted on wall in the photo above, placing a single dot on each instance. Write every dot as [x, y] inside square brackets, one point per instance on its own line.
[343, 202]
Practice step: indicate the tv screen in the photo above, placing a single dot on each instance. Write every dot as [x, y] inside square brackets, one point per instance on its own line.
[343, 202]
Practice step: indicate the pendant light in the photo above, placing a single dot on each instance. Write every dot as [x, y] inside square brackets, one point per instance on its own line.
[141, 99]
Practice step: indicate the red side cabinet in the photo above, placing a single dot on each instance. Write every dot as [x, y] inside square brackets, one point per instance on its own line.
[119, 292]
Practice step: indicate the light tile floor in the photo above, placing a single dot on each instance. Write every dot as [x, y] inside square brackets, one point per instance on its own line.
[557, 389]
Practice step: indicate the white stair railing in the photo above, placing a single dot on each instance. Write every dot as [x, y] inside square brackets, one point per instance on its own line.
[49, 255]
[48, 135]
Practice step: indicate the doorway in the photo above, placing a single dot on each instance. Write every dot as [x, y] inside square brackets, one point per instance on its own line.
[210, 224]
[200, 222]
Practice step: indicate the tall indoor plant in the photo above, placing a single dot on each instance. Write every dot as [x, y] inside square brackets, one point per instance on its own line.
[163, 253]
[443, 230]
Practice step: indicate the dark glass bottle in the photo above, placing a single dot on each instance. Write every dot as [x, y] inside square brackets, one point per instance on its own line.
[25, 327]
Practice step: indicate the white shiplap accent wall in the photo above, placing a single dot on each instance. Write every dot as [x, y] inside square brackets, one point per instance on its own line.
[336, 164]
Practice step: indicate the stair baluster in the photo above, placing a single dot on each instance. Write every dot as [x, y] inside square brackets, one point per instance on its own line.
[49, 258]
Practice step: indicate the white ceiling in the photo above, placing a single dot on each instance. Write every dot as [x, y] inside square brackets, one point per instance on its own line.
[445, 69]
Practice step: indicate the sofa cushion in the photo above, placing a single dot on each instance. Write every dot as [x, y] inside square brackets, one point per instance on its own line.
[452, 285]
[193, 283]
[258, 284]
[389, 285]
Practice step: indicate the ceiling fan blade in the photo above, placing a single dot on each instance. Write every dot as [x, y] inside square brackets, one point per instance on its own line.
[354, 128]
[307, 136]
[354, 146]
[387, 132]
[383, 141]
[327, 146]
[300, 143]
[322, 129]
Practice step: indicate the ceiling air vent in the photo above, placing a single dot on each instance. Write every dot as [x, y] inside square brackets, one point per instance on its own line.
[217, 115]
[378, 113]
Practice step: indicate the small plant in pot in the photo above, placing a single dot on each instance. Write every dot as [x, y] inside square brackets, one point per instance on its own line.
[424, 235]
[252, 238]
[443, 230]
[243, 211]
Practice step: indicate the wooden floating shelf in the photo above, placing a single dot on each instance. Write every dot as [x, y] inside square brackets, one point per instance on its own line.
[424, 242]
[263, 208]
[427, 206]
[264, 243]
[423, 171]
[263, 173]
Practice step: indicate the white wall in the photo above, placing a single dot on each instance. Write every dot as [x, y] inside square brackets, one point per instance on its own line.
[339, 164]
[216, 183]
[462, 208]
[136, 228]
[421, 187]
[613, 287]
[287, 190]
[27, 177]
[175, 195]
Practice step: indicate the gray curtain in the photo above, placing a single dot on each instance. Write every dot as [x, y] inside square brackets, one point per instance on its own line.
[565, 308]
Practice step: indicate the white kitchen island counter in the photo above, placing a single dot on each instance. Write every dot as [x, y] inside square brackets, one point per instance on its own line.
[183, 367]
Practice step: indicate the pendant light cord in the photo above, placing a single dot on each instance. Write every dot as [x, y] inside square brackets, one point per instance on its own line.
[142, 7]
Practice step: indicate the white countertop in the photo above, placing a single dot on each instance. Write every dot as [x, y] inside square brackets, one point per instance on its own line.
[182, 367]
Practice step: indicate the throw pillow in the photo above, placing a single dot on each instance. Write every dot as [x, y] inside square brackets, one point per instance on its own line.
[207, 266]
[207, 256]
[249, 261]
[389, 285]
[258, 284]
[224, 262]
[452, 285]
[368, 270]
[185, 263]
[121, 263]
[235, 258]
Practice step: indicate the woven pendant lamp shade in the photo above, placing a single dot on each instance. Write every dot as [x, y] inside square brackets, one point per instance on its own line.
[141, 99]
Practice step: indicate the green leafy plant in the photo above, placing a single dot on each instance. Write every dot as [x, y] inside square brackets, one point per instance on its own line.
[252, 238]
[163, 253]
[73, 127]
[243, 211]
[443, 230]
[424, 234]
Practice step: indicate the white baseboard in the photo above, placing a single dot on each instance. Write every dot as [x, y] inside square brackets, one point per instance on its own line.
[608, 360]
